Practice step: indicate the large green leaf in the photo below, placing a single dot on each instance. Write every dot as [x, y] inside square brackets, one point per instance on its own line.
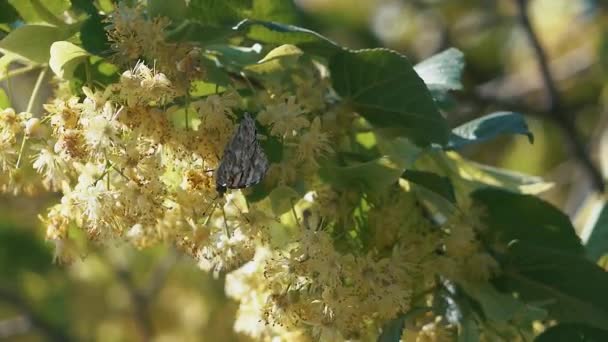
[571, 332]
[442, 71]
[33, 42]
[93, 35]
[382, 86]
[237, 56]
[488, 127]
[218, 12]
[176, 10]
[272, 10]
[375, 175]
[204, 34]
[597, 243]
[515, 217]
[279, 34]
[5, 102]
[570, 287]
[41, 11]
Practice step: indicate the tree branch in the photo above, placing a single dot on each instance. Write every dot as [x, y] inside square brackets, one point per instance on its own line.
[565, 122]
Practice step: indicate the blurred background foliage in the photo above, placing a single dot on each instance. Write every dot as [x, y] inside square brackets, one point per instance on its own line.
[115, 293]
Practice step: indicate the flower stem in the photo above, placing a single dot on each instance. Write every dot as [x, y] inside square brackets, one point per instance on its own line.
[30, 106]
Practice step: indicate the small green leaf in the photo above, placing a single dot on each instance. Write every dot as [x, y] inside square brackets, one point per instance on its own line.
[442, 71]
[432, 181]
[33, 42]
[277, 60]
[65, 57]
[8, 14]
[515, 217]
[597, 244]
[282, 199]
[569, 286]
[569, 332]
[5, 102]
[383, 87]
[488, 127]
[275, 33]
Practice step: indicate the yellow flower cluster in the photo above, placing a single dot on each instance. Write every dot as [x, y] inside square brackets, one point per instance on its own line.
[134, 163]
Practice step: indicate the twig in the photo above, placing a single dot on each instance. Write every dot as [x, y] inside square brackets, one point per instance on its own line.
[139, 302]
[565, 122]
[48, 329]
[141, 298]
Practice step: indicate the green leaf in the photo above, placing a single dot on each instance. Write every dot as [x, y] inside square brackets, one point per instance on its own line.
[238, 56]
[218, 12]
[86, 6]
[275, 33]
[442, 71]
[65, 57]
[501, 307]
[597, 244]
[204, 34]
[93, 35]
[277, 60]
[214, 72]
[515, 217]
[282, 199]
[8, 14]
[569, 332]
[5, 102]
[33, 42]
[41, 11]
[433, 182]
[488, 127]
[375, 175]
[272, 10]
[570, 287]
[176, 10]
[383, 87]
[475, 175]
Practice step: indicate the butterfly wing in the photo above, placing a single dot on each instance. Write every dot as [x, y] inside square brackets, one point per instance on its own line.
[244, 162]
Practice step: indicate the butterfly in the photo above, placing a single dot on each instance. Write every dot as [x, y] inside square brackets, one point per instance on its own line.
[244, 162]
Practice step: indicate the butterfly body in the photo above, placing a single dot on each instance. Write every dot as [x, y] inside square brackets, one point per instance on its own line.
[244, 162]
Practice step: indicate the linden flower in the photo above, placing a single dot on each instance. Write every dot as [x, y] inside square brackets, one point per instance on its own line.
[313, 144]
[52, 168]
[285, 117]
[64, 115]
[8, 153]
